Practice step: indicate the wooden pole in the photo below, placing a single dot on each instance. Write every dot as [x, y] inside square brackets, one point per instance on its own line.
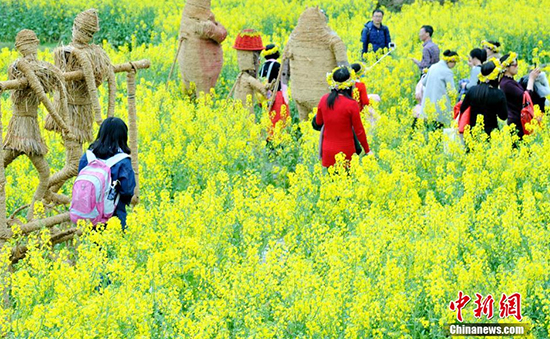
[3, 224]
[277, 82]
[175, 59]
[132, 119]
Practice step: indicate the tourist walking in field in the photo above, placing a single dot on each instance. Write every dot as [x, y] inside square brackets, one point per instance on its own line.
[477, 57]
[269, 72]
[339, 113]
[486, 99]
[438, 82]
[112, 140]
[360, 90]
[430, 51]
[375, 34]
[513, 90]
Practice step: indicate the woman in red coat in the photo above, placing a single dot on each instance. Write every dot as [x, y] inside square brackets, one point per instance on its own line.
[339, 114]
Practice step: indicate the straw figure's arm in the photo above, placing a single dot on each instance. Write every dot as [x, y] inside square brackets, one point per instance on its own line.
[63, 106]
[212, 30]
[89, 78]
[230, 94]
[285, 64]
[338, 47]
[111, 80]
[255, 84]
[37, 88]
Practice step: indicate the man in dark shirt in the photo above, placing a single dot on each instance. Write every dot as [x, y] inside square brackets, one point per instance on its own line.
[375, 33]
[430, 51]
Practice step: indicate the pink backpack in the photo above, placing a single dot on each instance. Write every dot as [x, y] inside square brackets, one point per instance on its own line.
[94, 193]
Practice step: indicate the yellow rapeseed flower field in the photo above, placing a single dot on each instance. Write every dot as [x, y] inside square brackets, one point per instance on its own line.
[234, 239]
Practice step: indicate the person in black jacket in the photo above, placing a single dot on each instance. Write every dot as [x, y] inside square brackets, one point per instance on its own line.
[375, 33]
[486, 99]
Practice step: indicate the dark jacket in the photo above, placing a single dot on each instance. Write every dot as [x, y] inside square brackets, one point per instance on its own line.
[124, 173]
[487, 101]
[377, 37]
[514, 98]
[270, 71]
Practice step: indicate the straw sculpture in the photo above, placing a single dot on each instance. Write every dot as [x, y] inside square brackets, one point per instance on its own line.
[83, 98]
[3, 226]
[23, 133]
[312, 51]
[248, 45]
[200, 54]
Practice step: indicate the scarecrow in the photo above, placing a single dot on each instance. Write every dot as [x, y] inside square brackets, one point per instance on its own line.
[83, 100]
[312, 51]
[200, 54]
[23, 134]
[249, 46]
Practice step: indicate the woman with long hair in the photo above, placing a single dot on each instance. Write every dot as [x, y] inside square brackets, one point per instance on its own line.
[339, 113]
[111, 140]
[486, 99]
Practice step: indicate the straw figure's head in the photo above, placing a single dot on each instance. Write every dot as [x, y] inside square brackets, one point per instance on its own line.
[26, 43]
[249, 45]
[86, 24]
[198, 9]
[312, 26]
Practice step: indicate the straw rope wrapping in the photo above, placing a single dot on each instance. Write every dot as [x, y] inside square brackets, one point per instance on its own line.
[132, 119]
[312, 51]
[3, 225]
[200, 55]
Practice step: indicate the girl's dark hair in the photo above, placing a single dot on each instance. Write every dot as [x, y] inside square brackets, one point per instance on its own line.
[340, 75]
[486, 69]
[479, 54]
[111, 138]
[449, 53]
[356, 67]
[504, 57]
[496, 43]
[274, 55]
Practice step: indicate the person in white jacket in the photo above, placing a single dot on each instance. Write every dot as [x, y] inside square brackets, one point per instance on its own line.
[438, 82]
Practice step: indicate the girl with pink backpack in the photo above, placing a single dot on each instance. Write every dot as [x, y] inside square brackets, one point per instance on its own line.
[106, 181]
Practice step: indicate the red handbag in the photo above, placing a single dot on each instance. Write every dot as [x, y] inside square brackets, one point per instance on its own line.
[463, 119]
[527, 112]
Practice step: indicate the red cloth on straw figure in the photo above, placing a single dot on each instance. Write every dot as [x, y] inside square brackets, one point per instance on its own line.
[276, 114]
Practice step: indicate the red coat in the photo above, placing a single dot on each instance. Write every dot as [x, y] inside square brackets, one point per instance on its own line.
[363, 99]
[338, 133]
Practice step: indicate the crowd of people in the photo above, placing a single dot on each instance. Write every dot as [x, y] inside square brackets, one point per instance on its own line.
[490, 91]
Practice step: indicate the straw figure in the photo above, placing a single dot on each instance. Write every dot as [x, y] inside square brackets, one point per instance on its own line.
[249, 46]
[200, 54]
[83, 100]
[312, 51]
[23, 133]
